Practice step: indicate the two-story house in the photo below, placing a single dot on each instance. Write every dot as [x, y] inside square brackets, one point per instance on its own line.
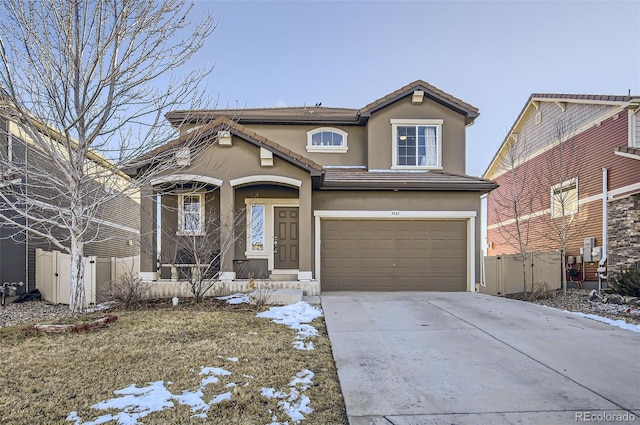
[579, 155]
[335, 199]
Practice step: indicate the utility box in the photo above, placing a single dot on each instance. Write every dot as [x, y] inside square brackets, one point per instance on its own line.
[587, 250]
[596, 253]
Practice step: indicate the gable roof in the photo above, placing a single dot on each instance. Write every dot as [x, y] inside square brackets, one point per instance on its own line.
[587, 98]
[210, 130]
[321, 114]
[592, 99]
[470, 112]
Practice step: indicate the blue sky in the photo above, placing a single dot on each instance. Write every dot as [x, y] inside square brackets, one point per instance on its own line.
[492, 55]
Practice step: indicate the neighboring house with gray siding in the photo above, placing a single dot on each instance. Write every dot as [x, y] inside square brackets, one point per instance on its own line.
[115, 229]
[336, 199]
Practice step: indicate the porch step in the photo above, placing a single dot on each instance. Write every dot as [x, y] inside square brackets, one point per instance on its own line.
[283, 277]
[286, 296]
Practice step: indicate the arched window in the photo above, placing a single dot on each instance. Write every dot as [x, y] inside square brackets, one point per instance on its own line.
[327, 139]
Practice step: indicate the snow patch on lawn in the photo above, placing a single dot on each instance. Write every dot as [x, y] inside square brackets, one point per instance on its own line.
[235, 299]
[294, 403]
[100, 307]
[618, 323]
[136, 403]
[296, 316]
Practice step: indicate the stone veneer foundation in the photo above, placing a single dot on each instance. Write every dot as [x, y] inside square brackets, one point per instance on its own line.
[623, 233]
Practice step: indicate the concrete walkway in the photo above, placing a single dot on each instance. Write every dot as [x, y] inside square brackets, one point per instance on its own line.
[464, 358]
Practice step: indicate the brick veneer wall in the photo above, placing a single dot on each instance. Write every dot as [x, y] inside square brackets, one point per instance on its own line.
[624, 232]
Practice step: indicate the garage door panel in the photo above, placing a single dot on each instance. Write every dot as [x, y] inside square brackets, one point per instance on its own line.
[394, 255]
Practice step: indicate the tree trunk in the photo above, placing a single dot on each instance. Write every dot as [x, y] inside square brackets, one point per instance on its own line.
[77, 295]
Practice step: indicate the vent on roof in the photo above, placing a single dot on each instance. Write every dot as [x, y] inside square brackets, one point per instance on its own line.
[183, 157]
[538, 117]
[224, 138]
[417, 97]
[266, 158]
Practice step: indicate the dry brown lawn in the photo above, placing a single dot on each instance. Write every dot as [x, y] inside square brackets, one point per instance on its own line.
[44, 377]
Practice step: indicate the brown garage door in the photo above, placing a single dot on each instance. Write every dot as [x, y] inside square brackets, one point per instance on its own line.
[393, 255]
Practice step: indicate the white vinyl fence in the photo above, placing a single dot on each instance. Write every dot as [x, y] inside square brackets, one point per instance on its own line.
[53, 274]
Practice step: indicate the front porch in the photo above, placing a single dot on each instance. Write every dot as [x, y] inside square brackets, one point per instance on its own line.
[164, 288]
[228, 231]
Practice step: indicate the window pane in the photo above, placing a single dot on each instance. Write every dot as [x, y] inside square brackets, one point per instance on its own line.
[428, 145]
[257, 227]
[191, 202]
[337, 139]
[565, 199]
[191, 222]
[406, 145]
[326, 138]
[316, 139]
[191, 213]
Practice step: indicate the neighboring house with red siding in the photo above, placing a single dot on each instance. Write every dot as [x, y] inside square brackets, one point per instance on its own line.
[577, 154]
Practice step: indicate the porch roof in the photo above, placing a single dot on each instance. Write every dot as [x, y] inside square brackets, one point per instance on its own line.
[361, 178]
[209, 133]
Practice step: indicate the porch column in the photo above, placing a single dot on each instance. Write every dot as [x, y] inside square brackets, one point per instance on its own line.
[148, 235]
[227, 231]
[304, 232]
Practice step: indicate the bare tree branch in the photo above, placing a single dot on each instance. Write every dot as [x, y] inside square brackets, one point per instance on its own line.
[513, 201]
[84, 86]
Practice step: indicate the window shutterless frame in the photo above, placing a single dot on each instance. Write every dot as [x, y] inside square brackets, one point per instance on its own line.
[327, 140]
[416, 144]
[564, 196]
[191, 214]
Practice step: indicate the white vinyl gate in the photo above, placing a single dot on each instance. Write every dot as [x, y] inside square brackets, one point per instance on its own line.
[503, 273]
[53, 277]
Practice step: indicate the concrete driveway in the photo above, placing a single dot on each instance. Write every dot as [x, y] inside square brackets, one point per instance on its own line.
[412, 358]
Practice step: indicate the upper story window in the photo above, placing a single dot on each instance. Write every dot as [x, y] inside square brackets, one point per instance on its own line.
[564, 198]
[191, 214]
[417, 144]
[327, 139]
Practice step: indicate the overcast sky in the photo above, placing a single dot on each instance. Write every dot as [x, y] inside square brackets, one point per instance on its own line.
[492, 55]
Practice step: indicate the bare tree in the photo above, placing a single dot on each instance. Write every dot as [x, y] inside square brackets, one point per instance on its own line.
[78, 89]
[558, 182]
[513, 201]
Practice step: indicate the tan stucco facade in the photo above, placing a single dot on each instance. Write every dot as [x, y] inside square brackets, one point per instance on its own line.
[380, 136]
[269, 163]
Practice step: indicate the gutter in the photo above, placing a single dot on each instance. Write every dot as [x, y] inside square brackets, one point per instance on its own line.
[602, 269]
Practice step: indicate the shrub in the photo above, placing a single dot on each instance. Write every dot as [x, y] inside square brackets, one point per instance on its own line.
[261, 292]
[128, 289]
[542, 291]
[626, 282]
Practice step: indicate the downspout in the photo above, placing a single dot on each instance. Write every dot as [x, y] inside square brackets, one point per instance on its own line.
[602, 269]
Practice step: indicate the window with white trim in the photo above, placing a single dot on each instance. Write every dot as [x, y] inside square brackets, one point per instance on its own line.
[256, 237]
[191, 214]
[417, 144]
[327, 139]
[564, 198]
